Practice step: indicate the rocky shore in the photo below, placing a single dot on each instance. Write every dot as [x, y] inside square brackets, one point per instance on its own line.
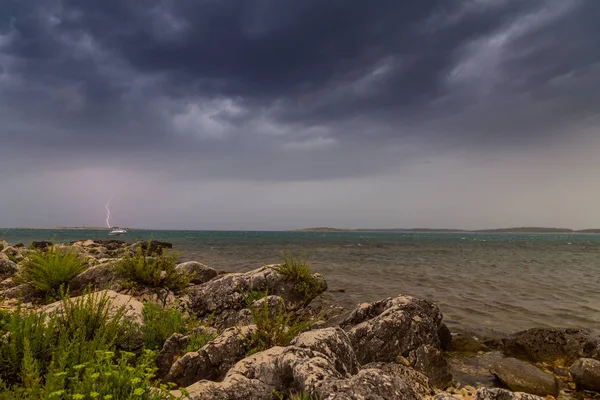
[394, 348]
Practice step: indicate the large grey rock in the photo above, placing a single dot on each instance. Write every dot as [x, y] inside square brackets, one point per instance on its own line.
[223, 296]
[586, 373]
[173, 349]
[521, 377]
[198, 272]
[303, 369]
[98, 277]
[213, 360]
[386, 329]
[431, 362]
[8, 269]
[542, 344]
[502, 394]
[23, 292]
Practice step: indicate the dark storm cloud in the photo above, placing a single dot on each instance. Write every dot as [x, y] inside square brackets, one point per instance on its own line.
[281, 90]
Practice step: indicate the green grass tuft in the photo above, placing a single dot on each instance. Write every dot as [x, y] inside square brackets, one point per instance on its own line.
[274, 329]
[161, 322]
[152, 271]
[298, 270]
[51, 271]
[197, 341]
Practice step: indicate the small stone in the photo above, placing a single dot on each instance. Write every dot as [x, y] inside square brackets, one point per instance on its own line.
[572, 385]
[586, 373]
[403, 360]
[416, 318]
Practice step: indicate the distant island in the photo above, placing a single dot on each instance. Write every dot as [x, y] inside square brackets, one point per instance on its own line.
[524, 229]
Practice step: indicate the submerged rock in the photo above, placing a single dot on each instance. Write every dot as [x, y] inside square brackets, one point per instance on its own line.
[586, 373]
[543, 344]
[198, 272]
[386, 329]
[521, 377]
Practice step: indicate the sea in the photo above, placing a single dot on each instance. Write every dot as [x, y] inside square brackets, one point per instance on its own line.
[486, 283]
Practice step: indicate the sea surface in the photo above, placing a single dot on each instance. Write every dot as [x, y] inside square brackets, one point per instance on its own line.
[483, 282]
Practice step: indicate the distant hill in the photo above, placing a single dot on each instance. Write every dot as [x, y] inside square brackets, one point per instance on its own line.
[524, 229]
[527, 229]
[322, 229]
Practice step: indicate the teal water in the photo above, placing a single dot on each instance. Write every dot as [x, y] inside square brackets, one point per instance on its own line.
[489, 282]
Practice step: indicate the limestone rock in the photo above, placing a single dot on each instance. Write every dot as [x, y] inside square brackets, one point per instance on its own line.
[543, 344]
[416, 380]
[198, 272]
[224, 295]
[521, 377]
[213, 360]
[431, 362]
[3, 244]
[386, 329]
[502, 394]
[586, 373]
[173, 348]
[7, 269]
[99, 277]
[24, 292]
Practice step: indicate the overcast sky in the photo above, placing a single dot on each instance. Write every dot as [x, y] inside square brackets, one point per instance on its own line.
[279, 114]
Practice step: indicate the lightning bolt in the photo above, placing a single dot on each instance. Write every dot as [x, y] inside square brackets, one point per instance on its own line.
[108, 212]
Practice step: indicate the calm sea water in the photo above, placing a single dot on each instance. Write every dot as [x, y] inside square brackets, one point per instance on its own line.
[488, 282]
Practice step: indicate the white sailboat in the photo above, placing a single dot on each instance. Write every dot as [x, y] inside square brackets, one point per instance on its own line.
[117, 231]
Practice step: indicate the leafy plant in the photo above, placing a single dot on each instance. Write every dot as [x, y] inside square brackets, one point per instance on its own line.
[152, 270]
[161, 322]
[197, 341]
[52, 270]
[274, 328]
[67, 337]
[298, 271]
[253, 295]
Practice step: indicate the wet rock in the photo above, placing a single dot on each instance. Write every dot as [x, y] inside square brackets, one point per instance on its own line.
[386, 329]
[431, 362]
[8, 269]
[502, 394]
[416, 380]
[468, 343]
[224, 295]
[198, 272]
[41, 245]
[521, 377]
[445, 337]
[213, 360]
[98, 277]
[543, 344]
[586, 373]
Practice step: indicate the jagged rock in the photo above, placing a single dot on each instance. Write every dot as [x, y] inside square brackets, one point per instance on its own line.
[3, 244]
[431, 362]
[88, 243]
[295, 369]
[224, 295]
[502, 394]
[543, 344]
[7, 284]
[41, 245]
[333, 343]
[213, 360]
[175, 345]
[132, 307]
[521, 377]
[8, 269]
[586, 373]
[446, 396]
[12, 253]
[445, 337]
[99, 277]
[416, 380]
[386, 329]
[198, 272]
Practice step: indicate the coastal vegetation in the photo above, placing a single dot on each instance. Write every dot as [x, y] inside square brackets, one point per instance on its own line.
[51, 270]
[297, 270]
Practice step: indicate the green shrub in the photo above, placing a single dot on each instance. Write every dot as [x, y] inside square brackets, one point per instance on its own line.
[161, 322]
[298, 271]
[253, 295]
[66, 338]
[52, 270]
[197, 341]
[105, 376]
[274, 329]
[152, 271]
